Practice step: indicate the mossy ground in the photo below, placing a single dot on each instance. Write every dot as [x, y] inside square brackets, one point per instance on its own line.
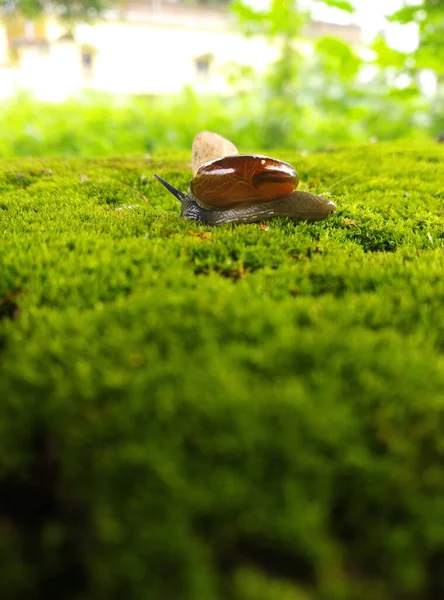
[249, 412]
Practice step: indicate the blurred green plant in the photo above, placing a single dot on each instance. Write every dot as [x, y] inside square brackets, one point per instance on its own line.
[331, 93]
[428, 15]
[323, 95]
[102, 125]
[318, 93]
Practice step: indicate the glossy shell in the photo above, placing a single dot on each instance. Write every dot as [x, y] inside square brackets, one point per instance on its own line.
[243, 178]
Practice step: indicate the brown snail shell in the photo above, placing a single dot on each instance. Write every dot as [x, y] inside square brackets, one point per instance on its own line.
[242, 178]
[209, 146]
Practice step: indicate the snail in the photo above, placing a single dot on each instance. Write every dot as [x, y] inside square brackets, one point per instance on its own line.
[244, 188]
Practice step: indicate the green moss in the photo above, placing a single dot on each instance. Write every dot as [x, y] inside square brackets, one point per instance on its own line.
[248, 412]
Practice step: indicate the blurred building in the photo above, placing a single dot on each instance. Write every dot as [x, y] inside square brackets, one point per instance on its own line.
[140, 47]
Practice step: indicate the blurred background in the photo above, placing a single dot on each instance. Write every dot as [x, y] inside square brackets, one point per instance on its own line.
[104, 77]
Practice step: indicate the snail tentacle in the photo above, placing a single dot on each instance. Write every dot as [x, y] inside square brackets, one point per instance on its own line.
[177, 193]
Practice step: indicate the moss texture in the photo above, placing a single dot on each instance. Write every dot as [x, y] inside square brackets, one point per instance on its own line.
[248, 412]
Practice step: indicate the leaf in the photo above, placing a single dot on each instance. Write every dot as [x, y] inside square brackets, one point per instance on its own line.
[407, 14]
[404, 94]
[282, 19]
[386, 56]
[340, 4]
[337, 57]
[252, 21]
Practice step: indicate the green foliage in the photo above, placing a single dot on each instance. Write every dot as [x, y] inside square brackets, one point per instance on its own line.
[387, 56]
[337, 57]
[247, 412]
[429, 16]
[303, 101]
[107, 126]
[330, 81]
[66, 9]
[283, 18]
[341, 4]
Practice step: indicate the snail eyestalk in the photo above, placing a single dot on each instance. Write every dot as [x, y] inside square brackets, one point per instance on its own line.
[176, 193]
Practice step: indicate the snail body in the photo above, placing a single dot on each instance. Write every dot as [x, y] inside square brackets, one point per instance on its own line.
[245, 188]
